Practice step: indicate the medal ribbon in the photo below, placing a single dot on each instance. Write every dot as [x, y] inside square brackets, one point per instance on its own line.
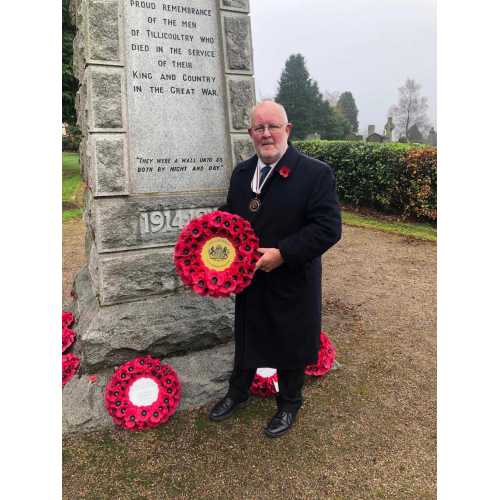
[256, 185]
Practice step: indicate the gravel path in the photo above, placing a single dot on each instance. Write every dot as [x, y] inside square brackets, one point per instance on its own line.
[367, 430]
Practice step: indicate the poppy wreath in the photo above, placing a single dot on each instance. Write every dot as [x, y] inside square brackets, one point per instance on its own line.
[265, 382]
[70, 364]
[67, 319]
[216, 254]
[326, 358]
[142, 393]
[68, 337]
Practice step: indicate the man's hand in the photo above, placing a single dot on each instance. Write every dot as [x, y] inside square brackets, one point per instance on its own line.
[270, 260]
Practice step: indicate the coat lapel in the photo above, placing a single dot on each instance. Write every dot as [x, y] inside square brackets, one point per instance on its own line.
[289, 159]
[246, 171]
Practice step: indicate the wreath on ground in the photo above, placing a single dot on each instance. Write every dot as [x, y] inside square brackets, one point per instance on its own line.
[142, 393]
[265, 382]
[216, 254]
[326, 358]
[68, 337]
[67, 319]
[70, 362]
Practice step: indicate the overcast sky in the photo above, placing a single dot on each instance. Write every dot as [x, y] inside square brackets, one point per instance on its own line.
[368, 47]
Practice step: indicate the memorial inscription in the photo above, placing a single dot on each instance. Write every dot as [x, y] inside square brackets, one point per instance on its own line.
[175, 97]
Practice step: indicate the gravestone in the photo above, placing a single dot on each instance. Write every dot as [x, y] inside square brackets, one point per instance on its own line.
[414, 134]
[375, 137]
[388, 128]
[432, 137]
[163, 105]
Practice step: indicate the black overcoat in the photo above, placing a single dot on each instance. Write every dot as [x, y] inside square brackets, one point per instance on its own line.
[278, 317]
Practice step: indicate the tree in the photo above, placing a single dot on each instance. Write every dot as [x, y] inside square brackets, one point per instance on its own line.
[410, 110]
[298, 94]
[347, 106]
[69, 82]
[331, 125]
[332, 97]
[305, 106]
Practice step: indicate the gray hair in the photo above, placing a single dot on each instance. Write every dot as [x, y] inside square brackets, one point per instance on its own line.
[266, 101]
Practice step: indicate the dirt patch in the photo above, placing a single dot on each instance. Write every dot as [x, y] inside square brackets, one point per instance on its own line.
[367, 430]
[73, 254]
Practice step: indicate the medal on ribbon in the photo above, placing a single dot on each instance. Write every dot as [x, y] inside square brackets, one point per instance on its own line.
[256, 186]
[254, 204]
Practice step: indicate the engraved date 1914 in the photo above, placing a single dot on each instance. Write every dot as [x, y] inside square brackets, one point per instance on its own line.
[162, 221]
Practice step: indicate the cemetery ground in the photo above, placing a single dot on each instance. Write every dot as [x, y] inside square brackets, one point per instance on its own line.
[366, 430]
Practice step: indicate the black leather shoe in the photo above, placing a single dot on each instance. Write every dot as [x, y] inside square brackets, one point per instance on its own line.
[225, 408]
[279, 424]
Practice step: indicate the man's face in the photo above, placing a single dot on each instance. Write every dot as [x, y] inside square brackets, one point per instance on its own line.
[269, 132]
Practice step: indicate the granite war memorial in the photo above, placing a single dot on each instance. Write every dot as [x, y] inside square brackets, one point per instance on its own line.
[165, 94]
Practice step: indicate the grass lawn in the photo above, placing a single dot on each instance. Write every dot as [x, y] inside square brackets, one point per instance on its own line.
[71, 214]
[414, 230]
[71, 185]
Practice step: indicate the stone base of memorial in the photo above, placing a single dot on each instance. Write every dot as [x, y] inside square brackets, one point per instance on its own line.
[167, 327]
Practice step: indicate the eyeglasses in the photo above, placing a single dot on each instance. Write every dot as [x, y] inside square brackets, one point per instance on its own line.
[272, 128]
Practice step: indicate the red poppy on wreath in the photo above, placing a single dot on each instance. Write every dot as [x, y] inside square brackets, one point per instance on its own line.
[326, 358]
[70, 364]
[68, 337]
[284, 171]
[142, 393]
[67, 319]
[265, 382]
[216, 254]
[230, 283]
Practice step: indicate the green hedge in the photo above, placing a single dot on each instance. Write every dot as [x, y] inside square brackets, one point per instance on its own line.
[392, 178]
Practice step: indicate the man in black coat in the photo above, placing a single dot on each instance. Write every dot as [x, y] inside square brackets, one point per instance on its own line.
[291, 202]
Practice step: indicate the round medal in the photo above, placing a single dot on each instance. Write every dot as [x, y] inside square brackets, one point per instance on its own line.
[254, 204]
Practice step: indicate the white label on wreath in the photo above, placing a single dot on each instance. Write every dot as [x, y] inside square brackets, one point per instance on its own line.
[266, 372]
[143, 392]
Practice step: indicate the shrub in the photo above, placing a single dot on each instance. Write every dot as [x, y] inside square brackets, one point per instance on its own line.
[392, 177]
[418, 184]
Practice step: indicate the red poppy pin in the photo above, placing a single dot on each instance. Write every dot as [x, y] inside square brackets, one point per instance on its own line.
[284, 171]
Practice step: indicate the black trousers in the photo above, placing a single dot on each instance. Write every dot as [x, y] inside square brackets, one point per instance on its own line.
[290, 383]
